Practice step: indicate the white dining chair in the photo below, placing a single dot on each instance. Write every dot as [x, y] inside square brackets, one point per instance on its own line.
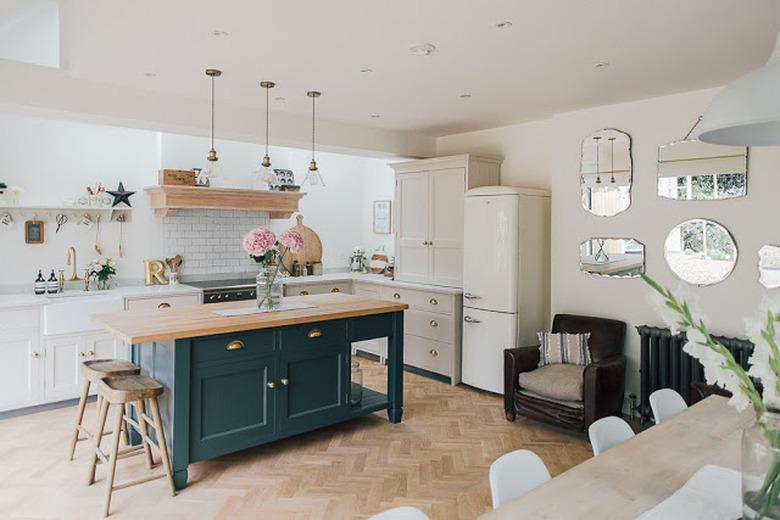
[401, 513]
[515, 474]
[666, 403]
[608, 432]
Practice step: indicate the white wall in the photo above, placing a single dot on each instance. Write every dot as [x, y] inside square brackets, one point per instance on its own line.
[546, 154]
[54, 159]
[30, 31]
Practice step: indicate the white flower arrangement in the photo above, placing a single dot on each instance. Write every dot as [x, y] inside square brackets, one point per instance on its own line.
[102, 268]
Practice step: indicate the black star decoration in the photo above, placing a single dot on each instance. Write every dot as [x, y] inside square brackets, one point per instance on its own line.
[120, 195]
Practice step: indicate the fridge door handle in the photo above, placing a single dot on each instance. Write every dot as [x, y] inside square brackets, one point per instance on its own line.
[469, 319]
[470, 296]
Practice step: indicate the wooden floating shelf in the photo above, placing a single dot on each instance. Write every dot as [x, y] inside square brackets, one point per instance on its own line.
[166, 200]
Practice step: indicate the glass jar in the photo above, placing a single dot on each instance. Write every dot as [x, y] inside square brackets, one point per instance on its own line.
[269, 288]
[356, 388]
[761, 468]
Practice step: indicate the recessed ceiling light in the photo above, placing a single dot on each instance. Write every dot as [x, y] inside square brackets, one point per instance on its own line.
[367, 70]
[218, 33]
[375, 116]
[150, 74]
[278, 98]
[601, 64]
[425, 49]
[465, 96]
[504, 24]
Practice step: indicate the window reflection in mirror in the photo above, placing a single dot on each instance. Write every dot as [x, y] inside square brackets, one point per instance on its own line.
[692, 170]
[769, 266]
[700, 252]
[606, 172]
[612, 257]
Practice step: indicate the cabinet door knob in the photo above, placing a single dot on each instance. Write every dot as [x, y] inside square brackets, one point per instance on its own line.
[434, 323]
[304, 293]
[90, 353]
[433, 301]
[425, 243]
[315, 333]
[335, 289]
[285, 381]
[396, 296]
[82, 354]
[433, 352]
[164, 305]
[271, 385]
[36, 355]
[236, 344]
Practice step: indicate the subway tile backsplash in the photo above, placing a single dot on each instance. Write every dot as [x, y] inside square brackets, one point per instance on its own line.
[210, 240]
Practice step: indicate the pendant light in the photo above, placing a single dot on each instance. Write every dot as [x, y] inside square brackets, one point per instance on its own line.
[212, 170]
[313, 178]
[612, 160]
[266, 174]
[598, 166]
[747, 112]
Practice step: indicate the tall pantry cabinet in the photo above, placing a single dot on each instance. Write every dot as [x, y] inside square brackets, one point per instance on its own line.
[429, 198]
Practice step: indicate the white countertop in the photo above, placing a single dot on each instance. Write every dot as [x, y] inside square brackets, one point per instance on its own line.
[369, 278]
[129, 291]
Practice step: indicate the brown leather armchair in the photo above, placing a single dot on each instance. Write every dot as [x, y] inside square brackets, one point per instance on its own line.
[603, 380]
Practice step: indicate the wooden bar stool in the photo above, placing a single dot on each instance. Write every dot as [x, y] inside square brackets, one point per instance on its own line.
[92, 372]
[123, 391]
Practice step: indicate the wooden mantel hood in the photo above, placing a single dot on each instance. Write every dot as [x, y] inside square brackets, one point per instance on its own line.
[166, 200]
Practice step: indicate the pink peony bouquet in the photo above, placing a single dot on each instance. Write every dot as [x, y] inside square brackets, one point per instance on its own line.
[264, 247]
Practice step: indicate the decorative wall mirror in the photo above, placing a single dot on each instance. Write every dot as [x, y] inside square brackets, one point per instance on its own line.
[692, 170]
[612, 257]
[769, 266]
[605, 172]
[700, 252]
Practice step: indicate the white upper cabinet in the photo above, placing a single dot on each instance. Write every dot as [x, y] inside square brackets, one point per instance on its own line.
[429, 215]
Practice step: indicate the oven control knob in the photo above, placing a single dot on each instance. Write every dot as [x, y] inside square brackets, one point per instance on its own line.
[212, 297]
[219, 297]
[252, 294]
[239, 294]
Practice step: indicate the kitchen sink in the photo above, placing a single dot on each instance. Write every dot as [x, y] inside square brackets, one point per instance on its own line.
[74, 294]
[69, 313]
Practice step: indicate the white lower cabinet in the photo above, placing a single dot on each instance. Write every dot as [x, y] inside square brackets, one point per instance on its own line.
[21, 372]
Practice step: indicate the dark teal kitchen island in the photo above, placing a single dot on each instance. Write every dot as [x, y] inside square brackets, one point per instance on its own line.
[236, 382]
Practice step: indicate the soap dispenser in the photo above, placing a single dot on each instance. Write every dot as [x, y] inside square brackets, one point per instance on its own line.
[40, 284]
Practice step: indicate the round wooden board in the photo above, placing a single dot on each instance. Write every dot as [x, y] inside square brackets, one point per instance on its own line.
[312, 247]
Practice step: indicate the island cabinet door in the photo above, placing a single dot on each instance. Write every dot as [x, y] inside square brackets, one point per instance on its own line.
[232, 406]
[314, 377]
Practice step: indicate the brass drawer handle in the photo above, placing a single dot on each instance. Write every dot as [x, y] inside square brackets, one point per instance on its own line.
[285, 381]
[433, 301]
[164, 305]
[433, 352]
[396, 296]
[335, 289]
[315, 333]
[271, 385]
[434, 323]
[304, 293]
[36, 355]
[236, 344]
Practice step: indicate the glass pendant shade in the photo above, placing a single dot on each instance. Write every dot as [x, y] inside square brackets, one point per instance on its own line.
[747, 112]
[212, 170]
[313, 178]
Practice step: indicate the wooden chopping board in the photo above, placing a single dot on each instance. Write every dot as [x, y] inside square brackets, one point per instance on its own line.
[312, 247]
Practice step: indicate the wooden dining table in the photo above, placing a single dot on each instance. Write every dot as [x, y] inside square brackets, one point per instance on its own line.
[638, 474]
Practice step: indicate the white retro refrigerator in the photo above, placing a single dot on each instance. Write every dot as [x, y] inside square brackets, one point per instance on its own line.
[506, 278]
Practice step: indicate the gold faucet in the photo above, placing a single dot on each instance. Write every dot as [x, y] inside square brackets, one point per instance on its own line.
[71, 261]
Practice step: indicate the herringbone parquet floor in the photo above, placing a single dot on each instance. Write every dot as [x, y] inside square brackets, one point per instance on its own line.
[437, 460]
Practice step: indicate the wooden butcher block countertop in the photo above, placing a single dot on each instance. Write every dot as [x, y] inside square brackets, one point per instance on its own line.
[145, 326]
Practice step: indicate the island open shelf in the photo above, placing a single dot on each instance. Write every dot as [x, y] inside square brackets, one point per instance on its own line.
[236, 382]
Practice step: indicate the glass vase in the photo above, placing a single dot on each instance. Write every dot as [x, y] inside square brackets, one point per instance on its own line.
[356, 387]
[761, 468]
[269, 288]
[103, 285]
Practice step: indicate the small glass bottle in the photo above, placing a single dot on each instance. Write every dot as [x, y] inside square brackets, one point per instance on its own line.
[40, 284]
[52, 286]
[356, 388]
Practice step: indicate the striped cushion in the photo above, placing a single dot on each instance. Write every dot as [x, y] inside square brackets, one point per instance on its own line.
[563, 348]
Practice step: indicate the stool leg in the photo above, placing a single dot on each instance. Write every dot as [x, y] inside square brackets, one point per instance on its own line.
[126, 426]
[117, 425]
[139, 413]
[99, 407]
[79, 416]
[102, 414]
[158, 428]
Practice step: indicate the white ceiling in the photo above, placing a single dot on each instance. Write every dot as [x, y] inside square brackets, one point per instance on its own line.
[542, 65]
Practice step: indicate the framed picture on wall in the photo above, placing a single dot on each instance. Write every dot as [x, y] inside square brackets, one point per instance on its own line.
[382, 217]
[33, 232]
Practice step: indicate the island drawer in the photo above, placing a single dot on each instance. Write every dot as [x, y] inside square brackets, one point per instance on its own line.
[232, 347]
[313, 334]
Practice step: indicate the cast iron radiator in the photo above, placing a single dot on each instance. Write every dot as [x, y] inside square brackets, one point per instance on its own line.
[663, 364]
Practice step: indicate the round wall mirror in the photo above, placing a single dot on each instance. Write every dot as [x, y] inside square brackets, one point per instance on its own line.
[700, 252]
